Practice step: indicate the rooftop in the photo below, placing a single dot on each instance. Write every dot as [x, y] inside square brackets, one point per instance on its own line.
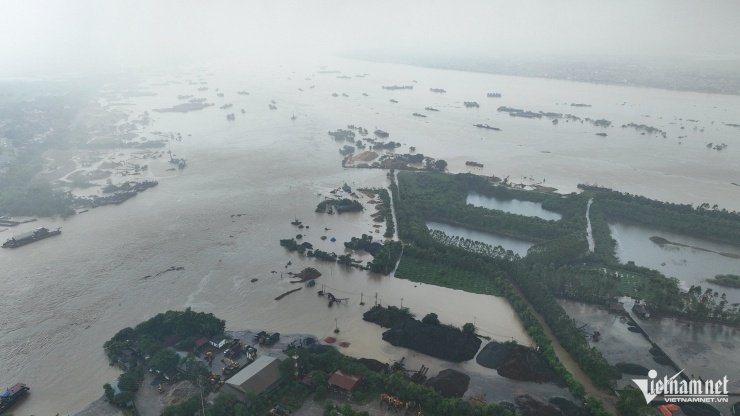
[344, 381]
[249, 372]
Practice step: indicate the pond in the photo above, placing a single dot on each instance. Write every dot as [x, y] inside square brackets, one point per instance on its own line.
[513, 206]
[691, 265]
[516, 245]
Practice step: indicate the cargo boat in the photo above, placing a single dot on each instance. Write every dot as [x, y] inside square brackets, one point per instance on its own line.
[12, 395]
[486, 126]
[31, 237]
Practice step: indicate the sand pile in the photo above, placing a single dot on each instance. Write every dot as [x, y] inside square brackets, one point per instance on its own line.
[178, 392]
[365, 156]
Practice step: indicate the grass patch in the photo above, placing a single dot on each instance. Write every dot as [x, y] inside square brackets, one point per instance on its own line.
[438, 274]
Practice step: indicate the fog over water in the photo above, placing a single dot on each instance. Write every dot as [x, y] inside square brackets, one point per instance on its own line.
[66, 295]
[49, 37]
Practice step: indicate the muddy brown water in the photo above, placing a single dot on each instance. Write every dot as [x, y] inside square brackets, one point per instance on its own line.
[64, 296]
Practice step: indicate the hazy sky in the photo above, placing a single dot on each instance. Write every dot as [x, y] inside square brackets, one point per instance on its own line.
[48, 36]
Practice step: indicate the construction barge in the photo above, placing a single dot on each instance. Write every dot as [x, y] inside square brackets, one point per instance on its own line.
[31, 237]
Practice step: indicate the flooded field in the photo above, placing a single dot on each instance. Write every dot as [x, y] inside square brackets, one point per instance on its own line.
[513, 206]
[65, 296]
[617, 344]
[516, 245]
[701, 350]
[689, 265]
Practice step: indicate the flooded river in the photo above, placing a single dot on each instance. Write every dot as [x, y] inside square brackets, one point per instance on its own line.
[64, 296]
[687, 264]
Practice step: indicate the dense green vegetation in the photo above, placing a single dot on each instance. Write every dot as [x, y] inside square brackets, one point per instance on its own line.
[390, 228]
[290, 396]
[712, 224]
[394, 384]
[365, 243]
[571, 271]
[144, 345]
[419, 195]
[631, 402]
[340, 205]
[385, 261]
[560, 265]
[385, 257]
[437, 273]
[292, 245]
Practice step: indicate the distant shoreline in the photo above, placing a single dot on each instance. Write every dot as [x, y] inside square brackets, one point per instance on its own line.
[559, 70]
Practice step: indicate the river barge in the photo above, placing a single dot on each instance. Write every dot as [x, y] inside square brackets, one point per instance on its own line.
[31, 237]
[12, 395]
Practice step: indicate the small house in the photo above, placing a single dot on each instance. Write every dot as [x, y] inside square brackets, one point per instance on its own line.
[344, 381]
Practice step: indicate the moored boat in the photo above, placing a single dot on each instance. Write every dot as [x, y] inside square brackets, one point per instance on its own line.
[31, 237]
[12, 395]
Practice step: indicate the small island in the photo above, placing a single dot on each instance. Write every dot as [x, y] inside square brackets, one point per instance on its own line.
[381, 134]
[192, 105]
[726, 280]
[398, 87]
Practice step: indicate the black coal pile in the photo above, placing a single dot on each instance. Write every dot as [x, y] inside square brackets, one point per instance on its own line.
[494, 354]
[450, 383]
[517, 362]
[386, 317]
[438, 341]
